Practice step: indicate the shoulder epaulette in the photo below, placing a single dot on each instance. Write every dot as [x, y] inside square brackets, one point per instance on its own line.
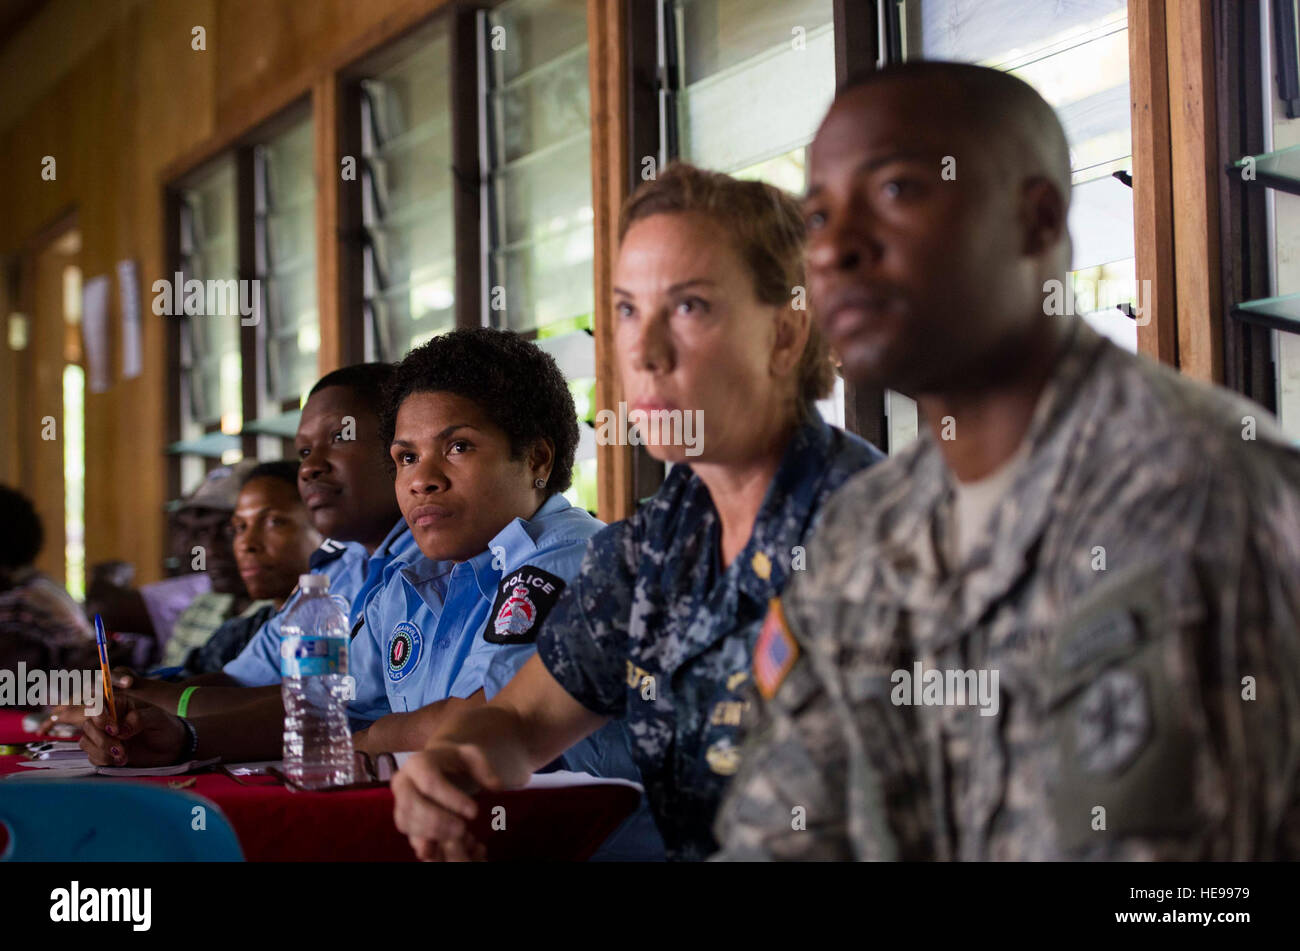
[328, 551]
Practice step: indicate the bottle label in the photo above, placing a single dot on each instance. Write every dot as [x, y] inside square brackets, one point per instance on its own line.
[308, 655]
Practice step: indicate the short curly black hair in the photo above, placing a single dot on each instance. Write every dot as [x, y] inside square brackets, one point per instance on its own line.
[367, 380]
[23, 534]
[286, 470]
[515, 382]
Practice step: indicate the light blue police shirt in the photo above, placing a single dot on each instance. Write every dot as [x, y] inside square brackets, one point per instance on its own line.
[435, 630]
[353, 574]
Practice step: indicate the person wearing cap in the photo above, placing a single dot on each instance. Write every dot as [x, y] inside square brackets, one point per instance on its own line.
[207, 512]
[153, 609]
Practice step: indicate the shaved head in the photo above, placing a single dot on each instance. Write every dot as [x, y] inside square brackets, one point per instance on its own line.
[1005, 113]
[938, 195]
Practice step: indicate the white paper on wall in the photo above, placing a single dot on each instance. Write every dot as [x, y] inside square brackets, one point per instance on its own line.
[94, 332]
[128, 286]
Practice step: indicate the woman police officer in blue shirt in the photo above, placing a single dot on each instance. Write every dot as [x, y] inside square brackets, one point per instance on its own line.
[482, 432]
[659, 628]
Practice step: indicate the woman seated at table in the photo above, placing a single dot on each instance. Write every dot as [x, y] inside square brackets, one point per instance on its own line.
[658, 629]
[482, 430]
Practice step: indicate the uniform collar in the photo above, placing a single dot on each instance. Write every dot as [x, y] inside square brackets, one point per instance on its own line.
[761, 569]
[389, 545]
[786, 510]
[911, 562]
[513, 546]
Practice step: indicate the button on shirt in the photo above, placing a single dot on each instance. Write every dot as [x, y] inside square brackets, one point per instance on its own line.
[424, 639]
[353, 574]
[655, 632]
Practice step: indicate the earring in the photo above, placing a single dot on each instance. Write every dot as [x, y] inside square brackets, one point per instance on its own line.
[540, 483]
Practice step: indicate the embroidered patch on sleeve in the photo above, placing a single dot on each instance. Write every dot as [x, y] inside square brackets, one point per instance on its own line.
[775, 652]
[523, 600]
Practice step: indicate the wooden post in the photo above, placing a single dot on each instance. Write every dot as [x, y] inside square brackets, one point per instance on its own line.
[607, 69]
[1196, 174]
[1153, 202]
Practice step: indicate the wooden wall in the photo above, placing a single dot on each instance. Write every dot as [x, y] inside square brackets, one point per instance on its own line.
[114, 91]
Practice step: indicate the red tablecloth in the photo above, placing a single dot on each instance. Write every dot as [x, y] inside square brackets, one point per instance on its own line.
[275, 823]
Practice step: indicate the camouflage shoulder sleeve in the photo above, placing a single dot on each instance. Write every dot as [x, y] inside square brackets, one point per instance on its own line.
[1179, 694]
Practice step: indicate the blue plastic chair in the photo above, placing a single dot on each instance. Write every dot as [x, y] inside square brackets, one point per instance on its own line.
[109, 820]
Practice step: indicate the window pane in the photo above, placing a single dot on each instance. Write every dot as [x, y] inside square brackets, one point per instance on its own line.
[733, 53]
[210, 341]
[407, 211]
[540, 279]
[721, 34]
[286, 238]
[540, 261]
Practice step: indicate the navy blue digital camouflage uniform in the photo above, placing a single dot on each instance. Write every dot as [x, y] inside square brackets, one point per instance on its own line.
[654, 631]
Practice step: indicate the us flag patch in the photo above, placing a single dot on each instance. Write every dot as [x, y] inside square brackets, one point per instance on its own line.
[775, 652]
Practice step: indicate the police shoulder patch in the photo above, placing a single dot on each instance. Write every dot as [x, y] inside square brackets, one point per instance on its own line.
[524, 598]
[329, 550]
[405, 645]
[775, 651]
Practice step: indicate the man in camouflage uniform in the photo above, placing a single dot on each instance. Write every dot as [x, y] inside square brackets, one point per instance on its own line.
[1133, 584]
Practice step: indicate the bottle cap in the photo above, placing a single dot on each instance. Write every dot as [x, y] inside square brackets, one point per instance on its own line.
[314, 582]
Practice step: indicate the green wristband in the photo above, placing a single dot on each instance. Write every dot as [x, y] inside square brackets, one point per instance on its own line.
[183, 705]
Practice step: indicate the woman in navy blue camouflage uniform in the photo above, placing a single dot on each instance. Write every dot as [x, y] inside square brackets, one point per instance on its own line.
[721, 368]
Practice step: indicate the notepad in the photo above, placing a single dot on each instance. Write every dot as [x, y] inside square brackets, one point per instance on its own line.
[70, 766]
[69, 749]
[559, 779]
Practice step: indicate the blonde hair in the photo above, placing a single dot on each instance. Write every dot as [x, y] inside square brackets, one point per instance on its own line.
[767, 230]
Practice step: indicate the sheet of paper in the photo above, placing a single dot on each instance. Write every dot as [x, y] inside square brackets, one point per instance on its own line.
[563, 779]
[128, 286]
[94, 331]
[54, 773]
[556, 780]
[176, 770]
[53, 746]
[63, 762]
[51, 755]
[81, 764]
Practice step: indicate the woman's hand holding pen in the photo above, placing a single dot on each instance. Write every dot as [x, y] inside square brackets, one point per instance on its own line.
[75, 715]
[145, 736]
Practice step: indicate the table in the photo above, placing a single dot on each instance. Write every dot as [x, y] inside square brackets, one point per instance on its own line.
[276, 823]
